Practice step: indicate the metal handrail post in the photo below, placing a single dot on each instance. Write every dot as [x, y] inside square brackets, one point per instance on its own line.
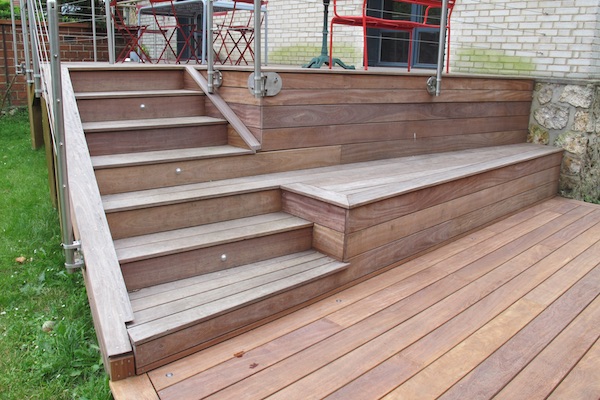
[110, 32]
[14, 34]
[93, 4]
[25, 32]
[34, 41]
[209, 47]
[59, 137]
[258, 79]
[441, 47]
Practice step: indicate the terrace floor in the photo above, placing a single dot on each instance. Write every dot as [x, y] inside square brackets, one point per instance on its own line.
[509, 311]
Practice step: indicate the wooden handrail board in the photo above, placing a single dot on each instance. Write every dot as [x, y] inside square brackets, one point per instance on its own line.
[104, 281]
[161, 156]
[225, 110]
[163, 243]
[137, 93]
[149, 123]
[231, 301]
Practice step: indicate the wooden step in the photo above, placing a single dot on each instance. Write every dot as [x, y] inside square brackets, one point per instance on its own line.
[149, 123]
[142, 107]
[132, 136]
[168, 256]
[173, 318]
[137, 93]
[128, 78]
[165, 156]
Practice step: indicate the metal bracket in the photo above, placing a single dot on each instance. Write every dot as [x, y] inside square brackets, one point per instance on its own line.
[270, 81]
[432, 85]
[78, 261]
[217, 78]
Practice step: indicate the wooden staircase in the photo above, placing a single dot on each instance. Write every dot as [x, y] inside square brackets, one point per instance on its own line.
[201, 268]
[214, 236]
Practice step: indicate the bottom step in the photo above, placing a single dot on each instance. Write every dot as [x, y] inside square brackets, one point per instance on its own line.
[173, 318]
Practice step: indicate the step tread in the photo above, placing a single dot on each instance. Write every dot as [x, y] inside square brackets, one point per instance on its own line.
[137, 93]
[162, 156]
[197, 237]
[187, 302]
[150, 123]
[308, 182]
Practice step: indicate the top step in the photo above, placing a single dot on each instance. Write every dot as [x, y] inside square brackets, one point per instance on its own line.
[127, 79]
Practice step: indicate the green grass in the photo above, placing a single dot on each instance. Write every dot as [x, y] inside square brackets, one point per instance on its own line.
[64, 363]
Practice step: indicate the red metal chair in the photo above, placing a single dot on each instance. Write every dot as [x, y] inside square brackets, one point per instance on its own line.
[234, 35]
[372, 22]
[130, 33]
[178, 36]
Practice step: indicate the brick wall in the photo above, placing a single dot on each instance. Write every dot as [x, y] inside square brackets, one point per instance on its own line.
[541, 38]
[76, 45]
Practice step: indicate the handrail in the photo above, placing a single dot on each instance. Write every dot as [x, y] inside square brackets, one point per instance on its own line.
[224, 109]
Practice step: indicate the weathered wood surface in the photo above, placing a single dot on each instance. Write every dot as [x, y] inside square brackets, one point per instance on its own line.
[104, 282]
[483, 314]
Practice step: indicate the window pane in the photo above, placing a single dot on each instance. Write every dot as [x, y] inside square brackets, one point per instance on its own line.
[396, 10]
[394, 47]
[427, 52]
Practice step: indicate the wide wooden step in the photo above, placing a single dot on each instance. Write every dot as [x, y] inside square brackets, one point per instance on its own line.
[137, 93]
[173, 318]
[165, 156]
[155, 258]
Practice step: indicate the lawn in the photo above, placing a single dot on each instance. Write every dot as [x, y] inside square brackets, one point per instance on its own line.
[48, 348]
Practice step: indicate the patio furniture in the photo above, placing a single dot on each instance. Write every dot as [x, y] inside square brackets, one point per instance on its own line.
[234, 35]
[131, 34]
[177, 32]
[368, 21]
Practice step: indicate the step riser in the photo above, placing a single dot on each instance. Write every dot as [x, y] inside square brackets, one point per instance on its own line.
[163, 350]
[120, 109]
[133, 141]
[192, 213]
[126, 80]
[128, 179]
[154, 271]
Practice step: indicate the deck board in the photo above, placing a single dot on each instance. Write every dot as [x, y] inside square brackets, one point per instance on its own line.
[482, 314]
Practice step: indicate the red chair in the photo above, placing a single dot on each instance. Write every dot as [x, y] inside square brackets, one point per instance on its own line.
[178, 36]
[372, 22]
[234, 35]
[131, 34]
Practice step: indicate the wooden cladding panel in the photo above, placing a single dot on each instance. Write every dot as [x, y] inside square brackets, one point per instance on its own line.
[313, 136]
[385, 112]
[376, 213]
[358, 152]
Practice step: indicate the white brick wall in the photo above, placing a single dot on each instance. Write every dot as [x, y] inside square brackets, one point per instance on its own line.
[544, 38]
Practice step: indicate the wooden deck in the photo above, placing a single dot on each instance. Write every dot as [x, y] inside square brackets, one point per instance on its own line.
[508, 311]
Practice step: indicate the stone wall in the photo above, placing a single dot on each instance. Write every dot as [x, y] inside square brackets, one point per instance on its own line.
[567, 115]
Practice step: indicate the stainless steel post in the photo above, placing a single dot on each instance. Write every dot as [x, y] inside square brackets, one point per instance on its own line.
[35, 46]
[209, 48]
[93, 5]
[14, 34]
[26, 48]
[258, 79]
[110, 32]
[59, 137]
[441, 47]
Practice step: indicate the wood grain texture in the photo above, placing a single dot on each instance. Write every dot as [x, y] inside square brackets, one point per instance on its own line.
[138, 387]
[126, 79]
[104, 282]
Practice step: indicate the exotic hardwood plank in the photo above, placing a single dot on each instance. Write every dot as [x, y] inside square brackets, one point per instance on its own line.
[137, 387]
[547, 370]
[583, 382]
[327, 215]
[523, 347]
[346, 134]
[126, 79]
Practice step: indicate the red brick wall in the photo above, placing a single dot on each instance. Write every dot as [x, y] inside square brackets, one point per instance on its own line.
[76, 44]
